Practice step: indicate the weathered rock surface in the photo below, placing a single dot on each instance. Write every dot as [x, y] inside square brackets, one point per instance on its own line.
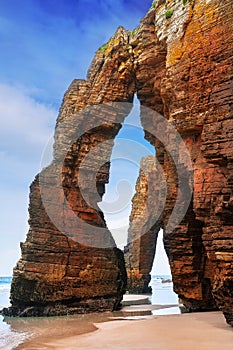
[179, 62]
[144, 226]
[196, 90]
[198, 94]
[68, 265]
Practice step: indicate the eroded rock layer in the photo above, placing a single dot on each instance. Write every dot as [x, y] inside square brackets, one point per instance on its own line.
[179, 62]
[196, 90]
[69, 262]
[144, 227]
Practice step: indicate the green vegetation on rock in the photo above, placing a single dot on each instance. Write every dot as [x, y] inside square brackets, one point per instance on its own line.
[168, 13]
[103, 48]
[133, 32]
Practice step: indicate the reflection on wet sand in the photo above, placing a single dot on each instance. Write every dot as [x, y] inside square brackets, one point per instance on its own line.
[41, 330]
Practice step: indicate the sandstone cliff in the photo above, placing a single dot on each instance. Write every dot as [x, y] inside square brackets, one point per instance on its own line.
[179, 62]
[69, 262]
[195, 88]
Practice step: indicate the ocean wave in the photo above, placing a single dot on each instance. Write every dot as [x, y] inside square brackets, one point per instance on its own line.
[6, 280]
[10, 340]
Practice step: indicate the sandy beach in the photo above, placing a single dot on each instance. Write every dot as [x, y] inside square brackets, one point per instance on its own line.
[135, 327]
[202, 331]
[139, 325]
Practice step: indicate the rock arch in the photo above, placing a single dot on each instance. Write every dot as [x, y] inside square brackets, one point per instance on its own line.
[182, 68]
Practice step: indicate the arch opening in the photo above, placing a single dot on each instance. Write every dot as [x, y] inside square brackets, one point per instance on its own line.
[130, 146]
[161, 282]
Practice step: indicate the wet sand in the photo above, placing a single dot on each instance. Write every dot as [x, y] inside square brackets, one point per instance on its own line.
[135, 327]
[197, 331]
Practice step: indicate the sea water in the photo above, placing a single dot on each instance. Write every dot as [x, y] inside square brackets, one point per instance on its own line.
[15, 331]
[9, 339]
[163, 294]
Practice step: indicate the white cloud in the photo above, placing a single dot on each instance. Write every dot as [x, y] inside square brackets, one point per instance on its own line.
[23, 117]
[13, 225]
[25, 127]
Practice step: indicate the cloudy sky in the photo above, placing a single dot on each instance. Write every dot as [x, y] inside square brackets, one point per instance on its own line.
[44, 45]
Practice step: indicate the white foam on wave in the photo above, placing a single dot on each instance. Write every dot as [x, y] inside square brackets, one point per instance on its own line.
[9, 339]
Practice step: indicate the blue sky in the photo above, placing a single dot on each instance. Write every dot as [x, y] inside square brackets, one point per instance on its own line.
[44, 45]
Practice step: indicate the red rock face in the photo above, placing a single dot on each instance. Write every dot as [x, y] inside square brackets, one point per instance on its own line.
[180, 65]
[196, 91]
[145, 223]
